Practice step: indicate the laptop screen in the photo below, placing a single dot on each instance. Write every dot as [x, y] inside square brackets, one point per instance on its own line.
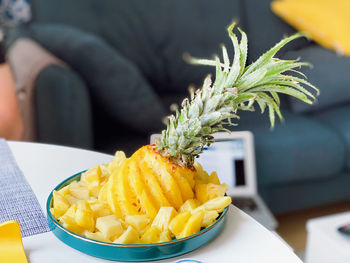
[227, 158]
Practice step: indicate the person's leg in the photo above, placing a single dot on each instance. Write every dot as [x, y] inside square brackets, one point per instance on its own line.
[11, 125]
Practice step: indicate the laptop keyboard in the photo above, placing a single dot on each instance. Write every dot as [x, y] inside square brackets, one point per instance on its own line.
[244, 203]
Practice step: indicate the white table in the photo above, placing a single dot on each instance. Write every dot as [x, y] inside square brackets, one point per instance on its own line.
[44, 166]
[324, 243]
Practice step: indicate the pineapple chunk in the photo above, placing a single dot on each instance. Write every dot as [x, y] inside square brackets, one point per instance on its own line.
[138, 222]
[102, 195]
[213, 178]
[130, 236]
[92, 179]
[201, 176]
[78, 190]
[151, 235]
[100, 209]
[189, 205]
[176, 225]
[119, 158]
[92, 175]
[217, 204]
[163, 218]
[64, 190]
[209, 218]
[193, 225]
[68, 220]
[109, 226]
[165, 236]
[60, 204]
[71, 199]
[84, 215]
[96, 236]
[205, 192]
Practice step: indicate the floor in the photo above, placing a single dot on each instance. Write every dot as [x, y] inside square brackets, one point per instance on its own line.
[292, 225]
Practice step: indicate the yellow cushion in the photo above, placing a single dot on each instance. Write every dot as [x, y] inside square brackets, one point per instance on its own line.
[326, 21]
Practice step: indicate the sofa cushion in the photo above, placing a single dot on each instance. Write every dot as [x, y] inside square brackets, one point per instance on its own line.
[301, 149]
[265, 29]
[329, 74]
[338, 119]
[115, 83]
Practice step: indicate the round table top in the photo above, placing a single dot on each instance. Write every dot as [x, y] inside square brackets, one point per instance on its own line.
[242, 240]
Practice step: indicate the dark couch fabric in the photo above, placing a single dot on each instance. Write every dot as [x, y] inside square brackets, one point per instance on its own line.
[331, 76]
[71, 124]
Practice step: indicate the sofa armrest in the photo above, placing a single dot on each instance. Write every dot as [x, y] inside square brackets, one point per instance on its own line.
[62, 108]
[26, 59]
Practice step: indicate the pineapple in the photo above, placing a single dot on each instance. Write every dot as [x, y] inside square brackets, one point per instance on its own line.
[163, 218]
[60, 204]
[138, 222]
[84, 216]
[178, 222]
[130, 236]
[193, 225]
[109, 226]
[160, 191]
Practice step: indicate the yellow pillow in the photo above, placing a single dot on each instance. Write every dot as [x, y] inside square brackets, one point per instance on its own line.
[325, 21]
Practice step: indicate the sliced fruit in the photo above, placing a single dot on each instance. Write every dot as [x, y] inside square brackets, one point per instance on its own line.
[100, 209]
[193, 225]
[95, 236]
[178, 223]
[102, 195]
[109, 226]
[164, 236]
[200, 175]
[84, 216]
[138, 222]
[205, 192]
[71, 199]
[163, 218]
[153, 186]
[189, 205]
[209, 218]
[167, 182]
[217, 204]
[119, 158]
[60, 204]
[151, 235]
[112, 197]
[130, 236]
[68, 220]
[213, 178]
[64, 190]
[92, 175]
[79, 190]
[146, 203]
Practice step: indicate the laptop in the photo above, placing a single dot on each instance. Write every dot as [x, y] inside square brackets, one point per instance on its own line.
[232, 157]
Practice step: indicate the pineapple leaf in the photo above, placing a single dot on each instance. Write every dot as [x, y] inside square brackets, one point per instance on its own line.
[236, 87]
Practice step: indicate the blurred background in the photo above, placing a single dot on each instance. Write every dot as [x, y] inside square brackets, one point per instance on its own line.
[101, 75]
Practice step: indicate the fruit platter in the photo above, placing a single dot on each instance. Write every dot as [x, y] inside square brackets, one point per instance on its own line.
[159, 202]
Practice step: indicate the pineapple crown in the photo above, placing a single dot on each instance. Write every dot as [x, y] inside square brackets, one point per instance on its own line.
[236, 87]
